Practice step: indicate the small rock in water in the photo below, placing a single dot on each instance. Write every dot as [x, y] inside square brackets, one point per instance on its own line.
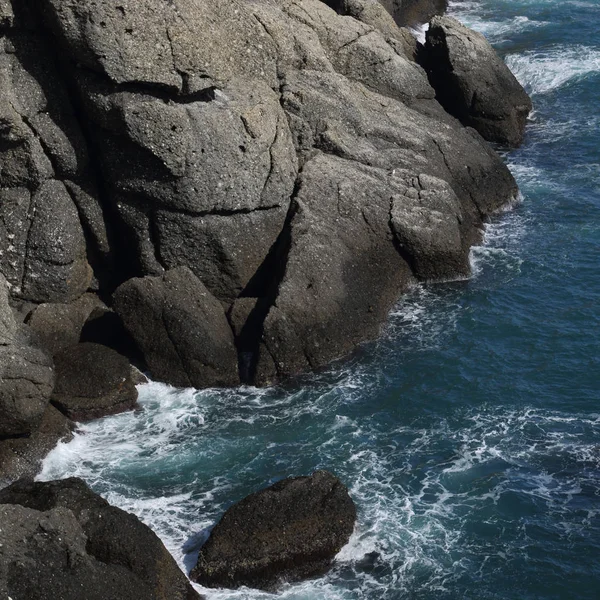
[289, 531]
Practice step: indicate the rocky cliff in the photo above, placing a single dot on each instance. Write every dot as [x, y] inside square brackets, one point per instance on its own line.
[230, 191]
[217, 191]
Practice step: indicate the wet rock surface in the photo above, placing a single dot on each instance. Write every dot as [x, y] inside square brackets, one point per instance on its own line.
[286, 532]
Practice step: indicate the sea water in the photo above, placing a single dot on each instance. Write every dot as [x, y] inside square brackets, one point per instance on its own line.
[469, 434]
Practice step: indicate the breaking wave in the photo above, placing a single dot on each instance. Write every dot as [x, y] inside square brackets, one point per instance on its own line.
[544, 71]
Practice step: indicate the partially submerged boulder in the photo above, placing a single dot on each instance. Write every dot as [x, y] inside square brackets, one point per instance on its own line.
[473, 83]
[181, 329]
[92, 381]
[60, 540]
[287, 532]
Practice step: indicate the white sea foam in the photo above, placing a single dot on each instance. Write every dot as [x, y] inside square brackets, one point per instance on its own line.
[420, 31]
[410, 519]
[496, 31]
[422, 319]
[541, 72]
[501, 246]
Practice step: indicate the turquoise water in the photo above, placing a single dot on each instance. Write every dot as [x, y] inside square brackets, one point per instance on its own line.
[469, 435]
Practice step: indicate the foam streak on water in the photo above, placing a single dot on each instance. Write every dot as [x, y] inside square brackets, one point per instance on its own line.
[469, 434]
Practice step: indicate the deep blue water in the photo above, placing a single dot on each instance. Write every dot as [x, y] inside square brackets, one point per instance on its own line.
[469, 435]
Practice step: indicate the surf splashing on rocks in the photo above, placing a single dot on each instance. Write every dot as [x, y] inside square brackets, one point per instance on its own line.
[186, 455]
[541, 72]
[421, 487]
[497, 31]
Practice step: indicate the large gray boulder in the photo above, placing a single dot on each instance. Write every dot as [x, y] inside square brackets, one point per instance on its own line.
[473, 83]
[289, 531]
[341, 248]
[60, 540]
[92, 381]
[26, 375]
[181, 329]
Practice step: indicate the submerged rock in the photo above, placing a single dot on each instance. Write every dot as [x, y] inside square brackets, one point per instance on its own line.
[473, 83]
[92, 381]
[60, 540]
[286, 532]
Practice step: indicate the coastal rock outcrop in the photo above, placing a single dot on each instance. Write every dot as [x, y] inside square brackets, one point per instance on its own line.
[286, 532]
[60, 540]
[245, 175]
[92, 381]
[473, 83]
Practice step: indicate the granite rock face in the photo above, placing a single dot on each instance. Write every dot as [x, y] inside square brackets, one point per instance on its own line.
[286, 532]
[60, 540]
[473, 83]
[243, 173]
[26, 375]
